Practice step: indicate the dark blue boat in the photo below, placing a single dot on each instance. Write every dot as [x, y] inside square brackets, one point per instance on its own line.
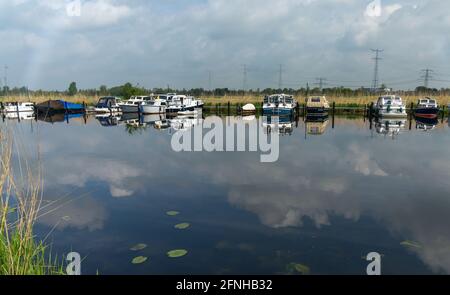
[59, 106]
[427, 108]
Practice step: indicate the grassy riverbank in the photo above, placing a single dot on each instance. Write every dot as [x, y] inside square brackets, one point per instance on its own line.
[234, 100]
[20, 252]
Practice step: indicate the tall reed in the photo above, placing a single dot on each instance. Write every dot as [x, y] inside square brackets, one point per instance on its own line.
[20, 253]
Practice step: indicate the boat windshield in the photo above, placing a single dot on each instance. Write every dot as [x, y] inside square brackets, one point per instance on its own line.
[315, 99]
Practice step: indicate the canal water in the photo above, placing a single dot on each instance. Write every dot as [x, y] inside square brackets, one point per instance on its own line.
[340, 189]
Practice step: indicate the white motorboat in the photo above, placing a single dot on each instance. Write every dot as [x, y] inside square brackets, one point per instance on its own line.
[18, 107]
[108, 104]
[184, 124]
[132, 105]
[391, 106]
[182, 103]
[279, 104]
[155, 106]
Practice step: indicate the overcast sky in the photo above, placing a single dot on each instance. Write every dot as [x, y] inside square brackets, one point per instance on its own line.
[178, 42]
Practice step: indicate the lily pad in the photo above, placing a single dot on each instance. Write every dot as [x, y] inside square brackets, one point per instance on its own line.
[177, 253]
[411, 244]
[139, 260]
[172, 213]
[298, 268]
[182, 226]
[138, 247]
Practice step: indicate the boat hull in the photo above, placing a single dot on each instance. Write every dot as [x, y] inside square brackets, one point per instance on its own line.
[59, 106]
[317, 111]
[129, 108]
[429, 113]
[175, 110]
[277, 111]
[149, 109]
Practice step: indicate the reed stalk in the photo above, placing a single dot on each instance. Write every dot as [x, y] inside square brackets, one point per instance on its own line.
[20, 252]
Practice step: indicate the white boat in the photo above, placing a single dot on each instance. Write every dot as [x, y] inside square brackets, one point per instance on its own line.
[279, 104]
[155, 106]
[132, 105]
[108, 104]
[390, 106]
[248, 109]
[18, 107]
[182, 103]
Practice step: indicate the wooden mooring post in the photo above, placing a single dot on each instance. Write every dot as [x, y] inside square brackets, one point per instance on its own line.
[229, 108]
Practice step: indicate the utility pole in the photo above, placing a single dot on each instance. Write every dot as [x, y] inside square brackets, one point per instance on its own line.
[376, 78]
[321, 82]
[280, 77]
[209, 80]
[244, 78]
[427, 76]
[6, 80]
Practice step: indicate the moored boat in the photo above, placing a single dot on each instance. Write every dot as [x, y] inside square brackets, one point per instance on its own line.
[390, 106]
[108, 104]
[317, 106]
[155, 106]
[427, 108]
[248, 109]
[59, 106]
[132, 105]
[279, 104]
[182, 103]
[17, 107]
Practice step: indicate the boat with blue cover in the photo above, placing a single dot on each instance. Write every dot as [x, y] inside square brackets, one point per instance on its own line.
[59, 106]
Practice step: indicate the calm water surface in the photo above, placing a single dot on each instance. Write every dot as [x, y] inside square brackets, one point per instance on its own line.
[332, 198]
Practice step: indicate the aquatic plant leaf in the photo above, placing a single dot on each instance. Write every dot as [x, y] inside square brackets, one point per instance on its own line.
[298, 268]
[182, 226]
[177, 253]
[138, 247]
[139, 260]
[411, 244]
[172, 213]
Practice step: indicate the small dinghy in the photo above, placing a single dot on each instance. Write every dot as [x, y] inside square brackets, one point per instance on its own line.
[248, 109]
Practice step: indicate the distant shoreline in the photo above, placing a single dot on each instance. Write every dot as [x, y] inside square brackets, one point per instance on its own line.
[348, 101]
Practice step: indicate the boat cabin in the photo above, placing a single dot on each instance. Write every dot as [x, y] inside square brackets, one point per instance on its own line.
[107, 102]
[317, 102]
[279, 99]
[427, 103]
[392, 100]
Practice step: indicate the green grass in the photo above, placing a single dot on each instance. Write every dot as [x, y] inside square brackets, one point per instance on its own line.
[20, 252]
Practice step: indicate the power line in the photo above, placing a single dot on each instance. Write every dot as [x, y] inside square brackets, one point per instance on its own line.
[244, 78]
[280, 77]
[5, 81]
[321, 82]
[209, 80]
[376, 74]
[426, 76]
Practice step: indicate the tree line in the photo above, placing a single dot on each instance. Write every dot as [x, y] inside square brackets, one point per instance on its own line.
[127, 90]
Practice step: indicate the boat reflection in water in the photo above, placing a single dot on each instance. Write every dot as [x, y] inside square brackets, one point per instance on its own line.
[58, 117]
[184, 123]
[107, 120]
[20, 116]
[316, 125]
[285, 124]
[390, 127]
[426, 124]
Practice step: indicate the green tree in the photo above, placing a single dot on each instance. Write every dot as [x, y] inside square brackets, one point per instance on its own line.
[72, 89]
[103, 90]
